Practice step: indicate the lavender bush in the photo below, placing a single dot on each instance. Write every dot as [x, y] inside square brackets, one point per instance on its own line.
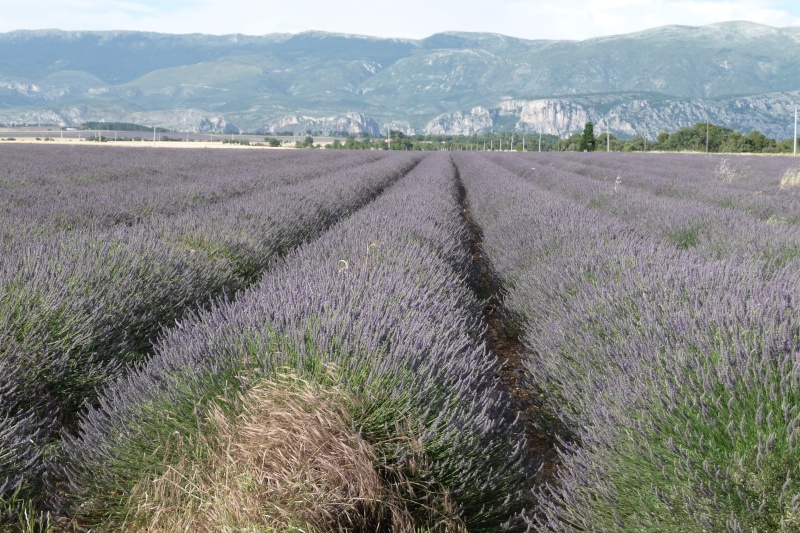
[370, 297]
[749, 184]
[711, 230]
[675, 374]
[79, 309]
[23, 436]
[47, 190]
[657, 306]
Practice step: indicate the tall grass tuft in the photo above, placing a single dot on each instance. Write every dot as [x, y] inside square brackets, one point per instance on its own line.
[289, 460]
[790, 178]
[728, 172]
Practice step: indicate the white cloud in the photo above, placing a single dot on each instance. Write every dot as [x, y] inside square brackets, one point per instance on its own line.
[541, 19]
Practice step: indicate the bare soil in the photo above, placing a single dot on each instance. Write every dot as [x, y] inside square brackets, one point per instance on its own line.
[542, 427]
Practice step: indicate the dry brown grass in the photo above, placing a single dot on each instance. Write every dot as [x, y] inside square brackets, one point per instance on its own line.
[730, 172]
[290, 461]
[791, 178]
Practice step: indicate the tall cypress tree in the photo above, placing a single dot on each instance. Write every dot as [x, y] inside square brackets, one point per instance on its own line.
[587, 140]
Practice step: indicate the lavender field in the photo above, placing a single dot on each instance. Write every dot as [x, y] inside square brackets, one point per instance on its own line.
[318, 341]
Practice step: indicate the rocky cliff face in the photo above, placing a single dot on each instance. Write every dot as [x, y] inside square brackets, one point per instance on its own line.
[771, 114]
[188, 120]
[351, 123]
[478, 120]
[553, 116]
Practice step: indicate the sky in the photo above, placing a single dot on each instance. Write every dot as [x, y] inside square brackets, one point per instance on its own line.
[414, 19]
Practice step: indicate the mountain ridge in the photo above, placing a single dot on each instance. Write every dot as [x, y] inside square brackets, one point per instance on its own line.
[361, 83]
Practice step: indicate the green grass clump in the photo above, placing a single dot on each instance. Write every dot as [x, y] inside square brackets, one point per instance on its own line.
[685, 237]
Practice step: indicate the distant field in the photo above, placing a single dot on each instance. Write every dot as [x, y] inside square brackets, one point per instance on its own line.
[142, 143]
[145, 138]
[352, 340]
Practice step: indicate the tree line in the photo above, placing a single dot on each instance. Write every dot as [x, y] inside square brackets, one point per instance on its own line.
[701, 137]
[397, 140]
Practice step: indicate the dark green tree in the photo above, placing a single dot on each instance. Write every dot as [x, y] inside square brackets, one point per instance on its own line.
[756, 142]
[587, 139]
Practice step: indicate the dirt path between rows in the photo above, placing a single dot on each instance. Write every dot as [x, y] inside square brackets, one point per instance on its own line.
[541, 426]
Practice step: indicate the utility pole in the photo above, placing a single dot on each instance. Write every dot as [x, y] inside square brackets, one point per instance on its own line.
[645, 135]
[795, 130]
[540, 141]
[707, 130]
[154, 133]
[523, 143]
[608, 136]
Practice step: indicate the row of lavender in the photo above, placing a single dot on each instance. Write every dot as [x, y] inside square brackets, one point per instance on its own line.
[675, 374]
[78, 308]
[758, 186]
[383, 297]
[711, 230]
[45, 190]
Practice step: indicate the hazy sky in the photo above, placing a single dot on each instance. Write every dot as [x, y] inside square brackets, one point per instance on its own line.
[531, 19]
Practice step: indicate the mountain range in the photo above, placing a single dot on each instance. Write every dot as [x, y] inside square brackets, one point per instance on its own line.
[736, 74]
